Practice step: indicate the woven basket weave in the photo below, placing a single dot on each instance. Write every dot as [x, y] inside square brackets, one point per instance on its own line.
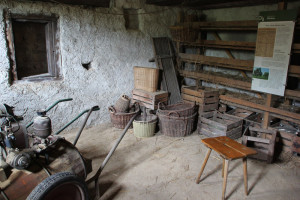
[120, 120]
[176, 126]
[181, 109]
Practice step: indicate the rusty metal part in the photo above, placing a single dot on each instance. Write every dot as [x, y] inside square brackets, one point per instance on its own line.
[84, 122]
[20, 134]
[18, 159]
[63, 156]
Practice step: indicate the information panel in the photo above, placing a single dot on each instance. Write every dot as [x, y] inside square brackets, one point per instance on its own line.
[272, 56]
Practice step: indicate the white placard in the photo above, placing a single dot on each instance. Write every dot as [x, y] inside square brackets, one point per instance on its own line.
[272, 56]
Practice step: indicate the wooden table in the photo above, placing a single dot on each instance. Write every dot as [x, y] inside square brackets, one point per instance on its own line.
[228, 150]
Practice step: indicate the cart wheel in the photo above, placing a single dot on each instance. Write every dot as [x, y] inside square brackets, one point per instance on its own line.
[60, 186]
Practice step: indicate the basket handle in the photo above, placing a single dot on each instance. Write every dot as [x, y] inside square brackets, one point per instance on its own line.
[112, 109]
[173, 112]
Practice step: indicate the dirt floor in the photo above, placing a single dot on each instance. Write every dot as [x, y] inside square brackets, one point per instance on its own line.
[164, 167]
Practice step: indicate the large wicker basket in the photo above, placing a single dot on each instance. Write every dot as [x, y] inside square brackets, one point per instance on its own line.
[174, 126]
[180, 109]
[120, 120]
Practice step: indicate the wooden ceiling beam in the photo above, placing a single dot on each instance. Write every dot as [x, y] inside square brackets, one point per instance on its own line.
[92, 3]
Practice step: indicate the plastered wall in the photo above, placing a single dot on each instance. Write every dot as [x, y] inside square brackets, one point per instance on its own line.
[87, 35]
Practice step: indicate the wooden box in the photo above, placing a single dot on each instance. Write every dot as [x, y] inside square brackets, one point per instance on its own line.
[208, 100]
[146, 78]
[296, 144]
[213, 124]
[256, 139]
[149, 99]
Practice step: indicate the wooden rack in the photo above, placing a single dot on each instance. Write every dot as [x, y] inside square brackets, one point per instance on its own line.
[233, 64]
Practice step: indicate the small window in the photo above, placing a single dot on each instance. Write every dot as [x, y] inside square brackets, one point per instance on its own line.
[33, 47]
[131, 19]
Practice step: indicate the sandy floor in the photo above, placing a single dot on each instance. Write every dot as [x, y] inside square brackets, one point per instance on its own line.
[163, 167]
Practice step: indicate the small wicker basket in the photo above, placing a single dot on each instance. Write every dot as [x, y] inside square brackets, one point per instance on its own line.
[120, 120]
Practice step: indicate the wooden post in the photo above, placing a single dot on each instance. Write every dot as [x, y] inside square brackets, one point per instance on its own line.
[203, 165]
[245, 175]
[266, 119]
[225, 179]
[281, 6]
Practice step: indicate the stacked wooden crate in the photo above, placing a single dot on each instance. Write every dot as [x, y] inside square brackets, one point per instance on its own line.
[208, 100]
[149, 99]
[213, 124]
[145, 84]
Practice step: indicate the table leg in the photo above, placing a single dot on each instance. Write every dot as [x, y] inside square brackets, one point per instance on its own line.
[203, 165]
[225, 179]
[223, 167]
[245, 175]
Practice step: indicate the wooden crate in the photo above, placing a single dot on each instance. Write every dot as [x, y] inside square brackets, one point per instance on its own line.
[213, 124]
[296, 144]
[208, 100]
[149, 99]
[146, 78]
[256, 139]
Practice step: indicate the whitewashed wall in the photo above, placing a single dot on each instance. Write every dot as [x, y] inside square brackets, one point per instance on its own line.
[95, 35]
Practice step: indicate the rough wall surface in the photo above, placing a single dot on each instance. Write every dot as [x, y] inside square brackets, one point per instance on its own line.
[95, 35]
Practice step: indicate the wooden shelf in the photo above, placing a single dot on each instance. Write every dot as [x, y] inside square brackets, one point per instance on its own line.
[246, 65]
[242, 66]
[239, 84]
[279, 113]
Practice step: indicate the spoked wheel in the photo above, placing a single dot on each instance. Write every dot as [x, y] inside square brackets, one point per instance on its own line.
[60, 186]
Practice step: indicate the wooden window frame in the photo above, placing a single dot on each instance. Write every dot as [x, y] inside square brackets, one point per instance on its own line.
[52, 46]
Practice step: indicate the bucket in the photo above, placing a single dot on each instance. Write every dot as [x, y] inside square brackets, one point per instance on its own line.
[144, 128]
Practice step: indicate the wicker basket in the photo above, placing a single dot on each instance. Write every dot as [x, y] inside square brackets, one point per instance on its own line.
[120, 120]
[184, 34]
[173, 126]
[181, 109]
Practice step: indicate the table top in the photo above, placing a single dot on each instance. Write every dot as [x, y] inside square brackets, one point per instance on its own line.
[228, 148]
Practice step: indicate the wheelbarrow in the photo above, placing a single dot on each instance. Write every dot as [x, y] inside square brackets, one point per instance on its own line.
[59, 172]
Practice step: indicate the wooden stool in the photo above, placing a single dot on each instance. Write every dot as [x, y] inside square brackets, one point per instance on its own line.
[228, 150]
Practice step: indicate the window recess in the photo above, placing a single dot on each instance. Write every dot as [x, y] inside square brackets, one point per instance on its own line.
[33, 47]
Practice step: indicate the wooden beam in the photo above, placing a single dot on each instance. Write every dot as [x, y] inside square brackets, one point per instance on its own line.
[224, 25]
[217, 79]
[229, 54]
[244, 85]
[276, 111]
[230, 63]
[266, 119]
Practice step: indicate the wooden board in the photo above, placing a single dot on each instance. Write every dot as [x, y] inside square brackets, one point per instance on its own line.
[164, 60]
[296, 144]
[228, 148]
[149, 99]
[198, 92]
[200, 100]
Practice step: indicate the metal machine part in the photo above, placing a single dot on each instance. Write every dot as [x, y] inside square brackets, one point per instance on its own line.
[18, 160]
[42, 125]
